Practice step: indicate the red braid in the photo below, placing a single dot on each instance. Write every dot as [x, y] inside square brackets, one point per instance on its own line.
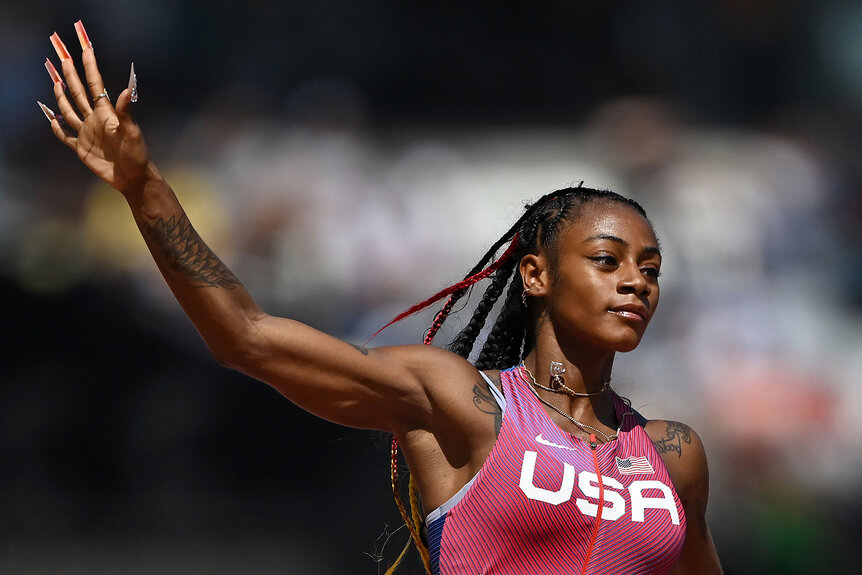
[452, 289]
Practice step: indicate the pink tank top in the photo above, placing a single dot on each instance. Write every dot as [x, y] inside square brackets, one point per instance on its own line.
[532, 507]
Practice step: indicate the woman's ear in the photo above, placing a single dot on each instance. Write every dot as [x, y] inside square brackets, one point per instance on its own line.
[534, 274]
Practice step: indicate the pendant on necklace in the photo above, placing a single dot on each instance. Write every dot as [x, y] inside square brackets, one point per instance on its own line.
[557, 372]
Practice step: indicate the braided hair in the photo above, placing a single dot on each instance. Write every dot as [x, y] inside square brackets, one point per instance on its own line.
[511, 336]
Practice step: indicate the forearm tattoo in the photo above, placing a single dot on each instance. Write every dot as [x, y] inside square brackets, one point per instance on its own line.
[187, 253]
[674, 437]
[485, 402]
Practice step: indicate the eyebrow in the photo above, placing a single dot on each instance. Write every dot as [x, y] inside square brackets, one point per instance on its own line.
[622, 242]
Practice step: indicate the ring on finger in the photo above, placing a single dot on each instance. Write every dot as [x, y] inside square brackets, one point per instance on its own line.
[104, 94]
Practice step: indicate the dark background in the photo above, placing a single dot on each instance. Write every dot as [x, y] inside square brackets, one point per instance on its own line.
[125, 448]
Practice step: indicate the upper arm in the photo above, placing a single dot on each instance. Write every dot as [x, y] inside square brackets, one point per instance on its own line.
[383, 388]
[386, 389]
[684, 456]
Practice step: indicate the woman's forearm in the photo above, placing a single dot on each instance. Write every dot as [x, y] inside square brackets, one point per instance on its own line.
[214, 299]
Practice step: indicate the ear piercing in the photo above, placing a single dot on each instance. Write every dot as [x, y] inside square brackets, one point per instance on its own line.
[525, 294]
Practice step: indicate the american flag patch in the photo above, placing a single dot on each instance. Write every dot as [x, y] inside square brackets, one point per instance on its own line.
[633, 465]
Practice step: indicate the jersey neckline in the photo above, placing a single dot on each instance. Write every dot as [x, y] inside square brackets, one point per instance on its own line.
[619, 403]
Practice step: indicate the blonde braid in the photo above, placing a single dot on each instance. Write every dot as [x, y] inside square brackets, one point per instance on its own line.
[416, 509]
[456, 291]
[398, 559]
[412, 521]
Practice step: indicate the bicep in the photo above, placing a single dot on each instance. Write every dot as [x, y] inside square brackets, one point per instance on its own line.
[382, 388]
[685, 458]
[699, 556]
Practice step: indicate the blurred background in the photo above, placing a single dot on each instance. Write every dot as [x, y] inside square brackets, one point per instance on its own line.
[348, 159]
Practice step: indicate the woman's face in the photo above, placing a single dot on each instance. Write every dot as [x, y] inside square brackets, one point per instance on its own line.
[603, 281]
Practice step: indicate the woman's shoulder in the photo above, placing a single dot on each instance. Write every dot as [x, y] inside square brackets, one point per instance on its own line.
[682, 452]
[493, 376]
[671, 438]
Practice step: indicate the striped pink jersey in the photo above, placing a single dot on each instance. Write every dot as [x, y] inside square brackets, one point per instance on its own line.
[532, 507]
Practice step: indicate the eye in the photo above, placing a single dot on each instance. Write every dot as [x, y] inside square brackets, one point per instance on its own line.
[605, 260]
[651, 272]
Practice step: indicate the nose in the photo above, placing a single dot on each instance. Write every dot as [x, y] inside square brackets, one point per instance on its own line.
[633, 281]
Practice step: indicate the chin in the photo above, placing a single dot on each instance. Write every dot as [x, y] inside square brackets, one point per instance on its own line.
[626, 343]
[627, 347]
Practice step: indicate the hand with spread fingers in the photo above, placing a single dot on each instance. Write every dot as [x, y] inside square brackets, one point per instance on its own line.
[104, 136]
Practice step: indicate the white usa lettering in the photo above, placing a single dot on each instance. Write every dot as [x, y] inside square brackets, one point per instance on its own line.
[614, 504]
[528, 468]
[588, 483]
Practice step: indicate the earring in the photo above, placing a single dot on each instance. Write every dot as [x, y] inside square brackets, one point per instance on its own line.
[557, 371]
[524, 295]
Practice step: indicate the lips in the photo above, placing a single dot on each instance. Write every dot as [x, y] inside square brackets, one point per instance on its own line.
[631, 311]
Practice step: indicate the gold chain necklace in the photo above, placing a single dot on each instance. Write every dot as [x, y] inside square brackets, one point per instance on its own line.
[580, 424]
[558, 384]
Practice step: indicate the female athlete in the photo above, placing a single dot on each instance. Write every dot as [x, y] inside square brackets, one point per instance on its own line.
[526, 461]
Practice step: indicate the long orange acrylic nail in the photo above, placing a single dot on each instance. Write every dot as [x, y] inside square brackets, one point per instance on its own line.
[62, 52]
[52, 71]
[83, 38]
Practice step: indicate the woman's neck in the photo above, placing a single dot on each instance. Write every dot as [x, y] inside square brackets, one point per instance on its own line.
[584, 371]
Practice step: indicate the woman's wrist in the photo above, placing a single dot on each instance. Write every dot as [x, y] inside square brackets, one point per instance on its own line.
[151, 197]
[149, 179]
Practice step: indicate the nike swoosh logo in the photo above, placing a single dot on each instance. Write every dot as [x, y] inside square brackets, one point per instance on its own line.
[539, 439]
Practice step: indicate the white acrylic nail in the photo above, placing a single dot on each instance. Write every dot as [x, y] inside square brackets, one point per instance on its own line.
[133, 84]
[49, 113]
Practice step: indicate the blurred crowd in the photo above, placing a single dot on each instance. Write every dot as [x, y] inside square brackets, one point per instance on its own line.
[333, 213]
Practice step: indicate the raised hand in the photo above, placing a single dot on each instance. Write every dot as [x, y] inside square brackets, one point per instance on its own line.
[104, 136]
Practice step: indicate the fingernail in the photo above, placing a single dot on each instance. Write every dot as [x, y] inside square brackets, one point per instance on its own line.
[133, 84]
[62, 52]
[49, 113]
[82, 36]
[52, 71]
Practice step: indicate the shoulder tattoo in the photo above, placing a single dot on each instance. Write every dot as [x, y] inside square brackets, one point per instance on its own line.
[675, 436]
[186, 252]
[485, 402]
